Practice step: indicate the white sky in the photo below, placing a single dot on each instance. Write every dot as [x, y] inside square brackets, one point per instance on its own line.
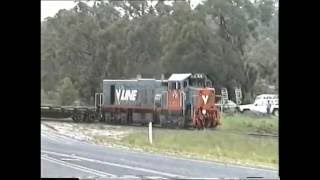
[50, 7]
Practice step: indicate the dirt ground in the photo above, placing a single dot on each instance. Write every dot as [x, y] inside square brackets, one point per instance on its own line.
[85, 132]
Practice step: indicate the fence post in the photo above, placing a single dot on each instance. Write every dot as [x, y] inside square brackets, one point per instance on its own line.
[150, 132]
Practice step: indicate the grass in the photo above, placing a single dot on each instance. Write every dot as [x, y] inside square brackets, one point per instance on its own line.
[229, 143]
[249, 124]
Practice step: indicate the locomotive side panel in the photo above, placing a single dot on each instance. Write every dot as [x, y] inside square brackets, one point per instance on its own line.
[133, 99]
[131, 93]
[118, 92]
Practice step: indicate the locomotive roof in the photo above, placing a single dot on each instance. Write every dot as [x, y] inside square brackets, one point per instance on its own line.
[140, 79]
[179, 77]
[133, 80]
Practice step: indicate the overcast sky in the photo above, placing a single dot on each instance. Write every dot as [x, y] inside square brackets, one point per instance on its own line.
[50, 8]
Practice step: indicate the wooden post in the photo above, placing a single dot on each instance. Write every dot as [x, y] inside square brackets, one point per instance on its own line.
[150, 132]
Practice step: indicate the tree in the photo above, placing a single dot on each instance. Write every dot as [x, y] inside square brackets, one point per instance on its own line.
[267, 8]
[67, 92]
[233, 41]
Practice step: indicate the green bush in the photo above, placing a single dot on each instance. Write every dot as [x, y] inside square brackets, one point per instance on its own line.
[67, 92]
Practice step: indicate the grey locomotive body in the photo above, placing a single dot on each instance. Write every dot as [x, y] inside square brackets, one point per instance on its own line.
[130, 101]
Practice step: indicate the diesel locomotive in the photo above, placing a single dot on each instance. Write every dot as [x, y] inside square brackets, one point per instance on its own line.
[182, 100]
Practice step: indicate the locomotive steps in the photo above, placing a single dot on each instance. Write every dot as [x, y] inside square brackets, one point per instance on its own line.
[230, 143]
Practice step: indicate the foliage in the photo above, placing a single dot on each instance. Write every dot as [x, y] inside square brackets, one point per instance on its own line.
[67, 92]
[233, 41]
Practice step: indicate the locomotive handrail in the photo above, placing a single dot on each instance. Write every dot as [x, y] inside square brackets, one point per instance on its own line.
[98, 100]
[101, 99]
[167, 103]
[182, 100]
[95, 99]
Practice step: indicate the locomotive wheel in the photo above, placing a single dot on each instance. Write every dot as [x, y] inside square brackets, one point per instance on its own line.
[181, 122]
[208, 122]
[130, 117]
[123, 118]
[212, 121]
[199, 124]
[200, 120]
[195, 120]
[117, 117]
[88, 118]
[91, 117]
[102, 118]
[112, 118]
[107, 117]
[163, 120]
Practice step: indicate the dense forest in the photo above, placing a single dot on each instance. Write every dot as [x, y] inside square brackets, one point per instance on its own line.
[235, 42]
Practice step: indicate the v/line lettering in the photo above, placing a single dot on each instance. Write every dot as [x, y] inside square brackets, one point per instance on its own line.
[205, 98]
[126, 94]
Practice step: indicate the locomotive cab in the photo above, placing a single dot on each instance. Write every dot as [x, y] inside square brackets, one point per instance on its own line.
[190, 101]
[175, 95]
[173, 110]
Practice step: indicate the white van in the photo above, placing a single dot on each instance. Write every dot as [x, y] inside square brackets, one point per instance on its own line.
[260, 104]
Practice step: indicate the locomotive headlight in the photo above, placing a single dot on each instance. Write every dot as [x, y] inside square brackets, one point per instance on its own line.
[204, 111]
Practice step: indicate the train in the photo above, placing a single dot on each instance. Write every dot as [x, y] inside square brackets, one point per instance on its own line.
[183, 100]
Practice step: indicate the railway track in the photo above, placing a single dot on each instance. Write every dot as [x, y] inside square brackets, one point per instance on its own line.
[69, 120]
[57, 119]
[263, 135]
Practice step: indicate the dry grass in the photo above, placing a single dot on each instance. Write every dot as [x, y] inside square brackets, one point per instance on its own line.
[228, 143]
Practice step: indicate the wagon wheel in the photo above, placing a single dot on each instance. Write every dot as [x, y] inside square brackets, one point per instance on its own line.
[75, 117]
[85, 117]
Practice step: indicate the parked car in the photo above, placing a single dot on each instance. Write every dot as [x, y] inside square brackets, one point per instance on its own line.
[260, 104]
[228, 105]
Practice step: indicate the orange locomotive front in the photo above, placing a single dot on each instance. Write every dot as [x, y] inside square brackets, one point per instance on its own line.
[205, 112]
